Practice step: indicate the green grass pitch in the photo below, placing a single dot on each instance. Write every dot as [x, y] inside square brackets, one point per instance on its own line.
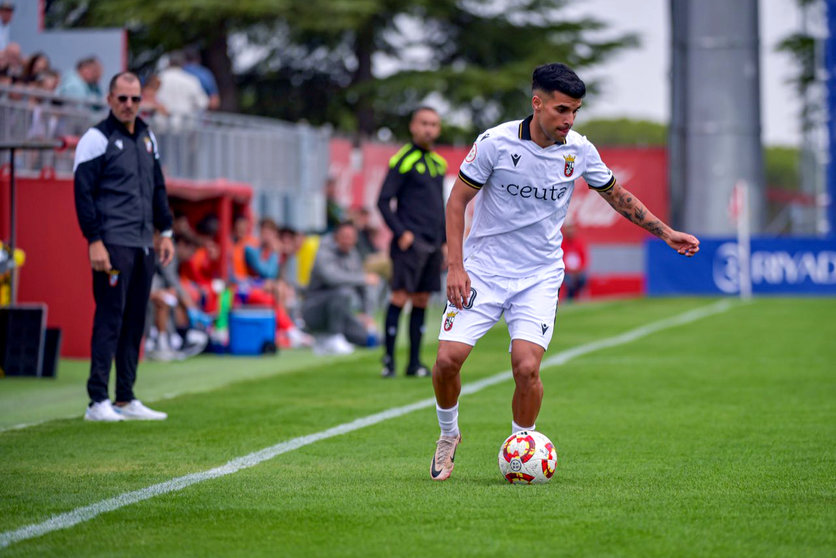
[712, 438]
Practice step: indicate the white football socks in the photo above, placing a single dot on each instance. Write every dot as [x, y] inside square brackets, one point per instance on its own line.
[516, 427]
[448, 420]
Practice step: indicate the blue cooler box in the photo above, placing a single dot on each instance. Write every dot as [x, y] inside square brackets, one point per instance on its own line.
[250, 329]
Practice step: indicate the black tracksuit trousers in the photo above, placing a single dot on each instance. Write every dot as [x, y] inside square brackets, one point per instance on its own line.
[121, 300]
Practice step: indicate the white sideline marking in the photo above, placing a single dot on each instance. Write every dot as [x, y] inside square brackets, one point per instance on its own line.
[79, 515]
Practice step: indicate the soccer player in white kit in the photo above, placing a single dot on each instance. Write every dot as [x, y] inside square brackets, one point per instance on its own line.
[521, 174]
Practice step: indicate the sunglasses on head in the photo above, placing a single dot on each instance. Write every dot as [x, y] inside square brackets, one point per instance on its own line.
[124, 98]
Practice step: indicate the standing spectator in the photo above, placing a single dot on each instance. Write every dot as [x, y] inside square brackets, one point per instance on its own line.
[204, 75]
[120, 200]
[333, 304]
[45, 124]
[11, 66]
[34, 66]
[150, 105]
[7, 10]
[83, 83]
[416, 181]
[180, 92]
[575, 258]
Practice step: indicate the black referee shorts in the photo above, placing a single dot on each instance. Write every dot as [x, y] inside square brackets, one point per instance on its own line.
[418, 269]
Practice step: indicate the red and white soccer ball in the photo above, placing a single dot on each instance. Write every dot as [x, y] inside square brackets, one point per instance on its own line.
[527, 457]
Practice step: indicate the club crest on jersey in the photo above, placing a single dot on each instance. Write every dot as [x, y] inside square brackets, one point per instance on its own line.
[569, 166]
[448, 320]
[148, 146]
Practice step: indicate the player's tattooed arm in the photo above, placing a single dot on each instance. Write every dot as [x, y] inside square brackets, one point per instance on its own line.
[631, 207]
[635, 211]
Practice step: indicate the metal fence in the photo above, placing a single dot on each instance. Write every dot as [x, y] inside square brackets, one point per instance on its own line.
[286, 164]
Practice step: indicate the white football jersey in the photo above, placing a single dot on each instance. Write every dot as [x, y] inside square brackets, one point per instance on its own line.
[524, 193]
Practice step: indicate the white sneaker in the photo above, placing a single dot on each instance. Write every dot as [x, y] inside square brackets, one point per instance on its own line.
[332, 345]
[135, 410]
[102, 412]
[341, 345]
[299, 338]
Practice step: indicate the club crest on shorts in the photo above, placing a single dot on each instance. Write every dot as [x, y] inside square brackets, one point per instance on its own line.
[113, 277]
[448, 320]
[569, 165]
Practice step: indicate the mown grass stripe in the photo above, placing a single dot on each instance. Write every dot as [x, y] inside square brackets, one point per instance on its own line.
[86, 513]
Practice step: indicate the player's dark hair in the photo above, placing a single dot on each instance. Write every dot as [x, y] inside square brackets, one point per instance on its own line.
[129, 75]
[558, 77]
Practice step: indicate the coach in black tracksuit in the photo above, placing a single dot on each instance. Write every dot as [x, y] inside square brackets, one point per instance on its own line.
[416, 181]
[120, 199]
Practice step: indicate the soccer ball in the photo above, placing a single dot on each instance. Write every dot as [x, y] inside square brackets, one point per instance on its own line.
[527, 457]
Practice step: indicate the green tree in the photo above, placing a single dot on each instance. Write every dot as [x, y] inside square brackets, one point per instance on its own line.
[474, 57]
[624, 131]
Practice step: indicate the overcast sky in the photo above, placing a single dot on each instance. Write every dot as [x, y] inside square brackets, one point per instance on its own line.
[636, 84]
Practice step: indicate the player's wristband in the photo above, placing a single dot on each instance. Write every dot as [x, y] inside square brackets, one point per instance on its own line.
[167, 234]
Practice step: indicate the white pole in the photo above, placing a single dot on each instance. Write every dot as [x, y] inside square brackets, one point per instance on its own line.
[743, 240]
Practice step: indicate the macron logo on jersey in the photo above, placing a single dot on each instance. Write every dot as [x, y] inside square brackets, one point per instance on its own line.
[515, 158]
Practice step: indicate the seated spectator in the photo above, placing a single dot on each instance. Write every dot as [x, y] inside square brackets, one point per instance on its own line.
[263, 259]
[334, 212]
[575, 258]
[180, 92]
[204, 75]
[290, 242]
[335, 298]
[374, 260]
[83, 83]
[241, 238]
[263, 269]
[202, 271]
[178, 327]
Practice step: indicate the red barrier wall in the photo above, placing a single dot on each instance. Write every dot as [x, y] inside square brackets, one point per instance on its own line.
[57, 270]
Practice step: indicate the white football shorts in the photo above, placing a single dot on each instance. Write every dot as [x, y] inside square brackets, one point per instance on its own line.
[528, 303]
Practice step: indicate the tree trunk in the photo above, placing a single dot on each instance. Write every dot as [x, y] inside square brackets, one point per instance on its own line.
[219, 62]
[363, 48]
